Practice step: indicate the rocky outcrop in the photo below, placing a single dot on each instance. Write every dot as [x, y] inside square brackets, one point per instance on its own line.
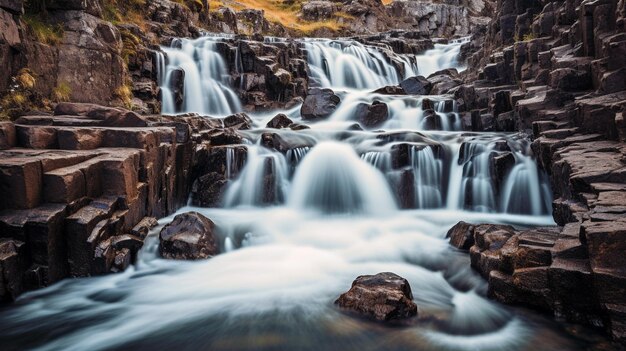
[550, 70]
[190, 236]
[440, 18]
[384, 297]
[80, 187]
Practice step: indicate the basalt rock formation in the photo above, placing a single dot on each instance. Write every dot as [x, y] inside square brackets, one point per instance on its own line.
[556, 70]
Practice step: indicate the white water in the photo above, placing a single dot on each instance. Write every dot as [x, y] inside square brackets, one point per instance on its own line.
[297, 228]
[349, 64]
[206, 80]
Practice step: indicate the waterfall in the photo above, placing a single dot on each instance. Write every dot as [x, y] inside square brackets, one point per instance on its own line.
[352, 65]
[477, 192]
[263, 180]
[332, 178]
[206, 80]
[441, 57]
[304, 213]
[428, 172]
[522, 191]
[378, 159]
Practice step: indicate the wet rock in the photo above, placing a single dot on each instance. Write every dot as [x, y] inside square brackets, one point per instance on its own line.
[442, 83]
[384, 297]
[142, 228]
[372, 115]
[11, 269]
[226, 136]
[190, 236]
[461, 235]
[417, 85]
[279, 121]
[207, 190]
[238, 121]
[390, 90]
[319, 104]
[177, 86]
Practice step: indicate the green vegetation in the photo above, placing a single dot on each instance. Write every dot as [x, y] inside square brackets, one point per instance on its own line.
[44, 32]
[62, 92]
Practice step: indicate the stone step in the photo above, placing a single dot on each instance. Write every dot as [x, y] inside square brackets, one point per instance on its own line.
[89, 138]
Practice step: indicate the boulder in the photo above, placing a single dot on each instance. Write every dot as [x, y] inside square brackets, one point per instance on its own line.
[279, 122]
[461, 235]
[442, 83]
[190, 236]
[319, 103]
[384, 297]
[417, 85]
[238, 121]
[371, 115]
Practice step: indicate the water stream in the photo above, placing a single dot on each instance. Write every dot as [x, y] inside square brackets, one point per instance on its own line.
[297, 227]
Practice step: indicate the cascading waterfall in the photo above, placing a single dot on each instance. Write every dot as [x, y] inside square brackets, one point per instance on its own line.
[442, 56]
[262, 181]
[206, 80]
[298, 225]
[428, 171]
[332, 178]
[349, 64]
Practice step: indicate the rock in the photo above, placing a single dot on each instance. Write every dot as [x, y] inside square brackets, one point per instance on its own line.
[238, 121]
[109, 116]
[208, 189]
[384, 297]
[190, 236]
[177, 86]
[92, 7]
[442, 83]
[390, 90]
[318, 10]
[8, 136]
[226, 136]
[142, 228]
[11, 269]
[319, 104]
[372, 115]
[14, 6]
[279, 121]
[417, 85]
[461, 235]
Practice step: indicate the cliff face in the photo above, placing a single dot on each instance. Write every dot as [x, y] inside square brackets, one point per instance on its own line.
[556, 70]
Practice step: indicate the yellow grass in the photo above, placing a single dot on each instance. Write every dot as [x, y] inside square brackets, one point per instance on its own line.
[277, 11]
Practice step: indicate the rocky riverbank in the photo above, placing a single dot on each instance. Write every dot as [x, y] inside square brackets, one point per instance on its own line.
[557, 71]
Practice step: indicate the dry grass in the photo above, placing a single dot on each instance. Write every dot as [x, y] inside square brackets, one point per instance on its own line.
[277, 11]
[62, 92]
[44, 32]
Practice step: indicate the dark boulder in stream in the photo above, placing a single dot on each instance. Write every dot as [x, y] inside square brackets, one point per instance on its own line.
[319, 103]
[190, 236]
[384, 297]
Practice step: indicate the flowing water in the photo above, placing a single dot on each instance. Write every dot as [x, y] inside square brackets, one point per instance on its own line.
[297, 227]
